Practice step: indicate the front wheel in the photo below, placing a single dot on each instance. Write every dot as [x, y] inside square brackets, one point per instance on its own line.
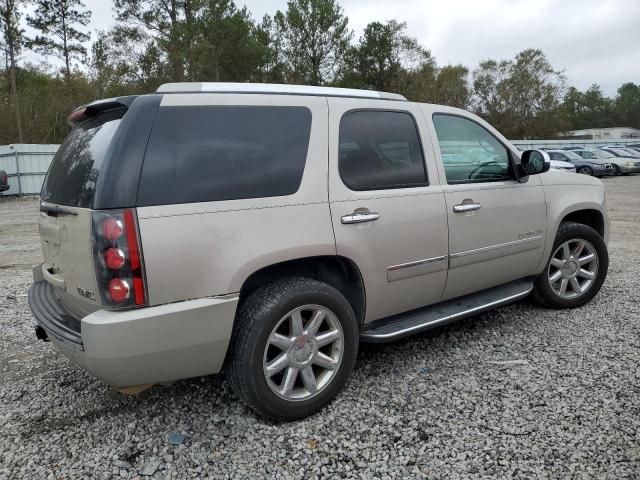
[294, 347]
[576, 269]
[586, 171]
[616, 169]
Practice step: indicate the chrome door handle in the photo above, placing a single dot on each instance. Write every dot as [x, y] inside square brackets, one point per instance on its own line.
[466, 207]
[360, 217]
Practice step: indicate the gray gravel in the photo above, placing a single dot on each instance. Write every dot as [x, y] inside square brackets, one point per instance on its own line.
[522, 392]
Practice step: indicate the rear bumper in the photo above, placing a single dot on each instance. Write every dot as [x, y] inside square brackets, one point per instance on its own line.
[140, 346]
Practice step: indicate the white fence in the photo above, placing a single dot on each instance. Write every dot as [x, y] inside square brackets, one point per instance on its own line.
[26, 165]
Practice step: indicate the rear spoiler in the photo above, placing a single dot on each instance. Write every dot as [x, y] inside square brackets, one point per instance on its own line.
[91, 110]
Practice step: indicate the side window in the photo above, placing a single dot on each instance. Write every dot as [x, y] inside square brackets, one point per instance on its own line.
[555, 156]
[380, 150]
[210, 153]
[469, 152]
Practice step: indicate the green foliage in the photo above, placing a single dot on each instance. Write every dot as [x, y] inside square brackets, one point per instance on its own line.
[517, 96]
[158, 41]
[316, 39]
[59, 23]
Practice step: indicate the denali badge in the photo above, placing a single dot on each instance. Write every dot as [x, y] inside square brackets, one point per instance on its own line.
[86, 294]
[535, 233]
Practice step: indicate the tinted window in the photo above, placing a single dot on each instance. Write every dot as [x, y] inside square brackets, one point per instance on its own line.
[469, 152]
[380, 150]
[71, 179]
[203, 154]
[557, 156]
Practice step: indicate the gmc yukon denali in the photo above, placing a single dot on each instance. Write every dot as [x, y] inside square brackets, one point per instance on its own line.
[266, 230]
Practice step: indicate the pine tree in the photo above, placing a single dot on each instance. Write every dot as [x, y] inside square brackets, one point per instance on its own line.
[12, 40]
[59, 23]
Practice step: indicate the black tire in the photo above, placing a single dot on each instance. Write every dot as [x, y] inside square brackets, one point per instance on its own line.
[586, 170]
[616, 169]
[543, 292]
[257, 316]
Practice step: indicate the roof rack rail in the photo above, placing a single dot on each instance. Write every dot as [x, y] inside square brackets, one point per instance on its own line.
[274, 89]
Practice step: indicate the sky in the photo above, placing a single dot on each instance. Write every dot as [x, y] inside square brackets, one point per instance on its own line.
[592, 41]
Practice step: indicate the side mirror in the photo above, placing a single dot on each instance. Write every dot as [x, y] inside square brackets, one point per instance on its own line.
[534, 162]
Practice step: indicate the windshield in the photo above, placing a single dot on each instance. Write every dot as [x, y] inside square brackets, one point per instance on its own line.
[572, 155]
[603, 154]
[630, 151]
[72, 177]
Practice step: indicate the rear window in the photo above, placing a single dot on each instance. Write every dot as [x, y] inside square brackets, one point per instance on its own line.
[72, 177]
[203, 154]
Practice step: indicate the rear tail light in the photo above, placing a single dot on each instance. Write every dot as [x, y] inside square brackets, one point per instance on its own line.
[118, 259]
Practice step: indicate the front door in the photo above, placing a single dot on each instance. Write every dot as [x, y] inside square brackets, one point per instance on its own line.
[497, 225]
[387, 207]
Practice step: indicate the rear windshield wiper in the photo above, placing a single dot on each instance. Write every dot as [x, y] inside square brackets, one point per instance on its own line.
[54, 210]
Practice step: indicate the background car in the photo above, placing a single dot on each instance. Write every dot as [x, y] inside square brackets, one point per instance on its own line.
[4, 181]
[622, 164]
[595, 167]
[565, 166]
[634, 148]
[621, 152]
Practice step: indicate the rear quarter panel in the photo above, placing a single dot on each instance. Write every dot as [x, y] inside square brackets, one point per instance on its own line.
[203, 249]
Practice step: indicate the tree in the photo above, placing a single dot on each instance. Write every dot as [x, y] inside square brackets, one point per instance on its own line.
[452, 86]
[170, 24]
[12, 40]
[384, 53]
[317, 38]
[520, 97]
[589, 109]
[59, 21]
[627, 105]
[226, 44]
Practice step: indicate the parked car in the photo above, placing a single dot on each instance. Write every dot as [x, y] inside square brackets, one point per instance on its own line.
[4, 181]
[596, 168]
[267, 229]
[621, 152]
[571, 148]
[565, 166]
[621, 165]
[635, 149]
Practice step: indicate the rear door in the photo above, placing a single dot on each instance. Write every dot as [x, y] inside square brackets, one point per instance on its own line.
[65, 212]
[387, 206]
[497, 225]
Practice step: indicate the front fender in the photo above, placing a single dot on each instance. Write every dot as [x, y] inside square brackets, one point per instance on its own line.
[563, 200]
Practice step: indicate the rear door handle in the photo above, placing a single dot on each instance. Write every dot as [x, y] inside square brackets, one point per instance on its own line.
[466, 207]
[360, 217]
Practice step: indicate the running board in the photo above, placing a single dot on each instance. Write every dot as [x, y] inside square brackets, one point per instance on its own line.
[408, 323]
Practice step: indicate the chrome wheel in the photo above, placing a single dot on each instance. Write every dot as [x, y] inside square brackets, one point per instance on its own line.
[585, 171]
[303, 352]
[573, 268]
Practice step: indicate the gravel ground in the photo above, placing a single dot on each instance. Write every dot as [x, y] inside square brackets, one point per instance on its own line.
[521, 392]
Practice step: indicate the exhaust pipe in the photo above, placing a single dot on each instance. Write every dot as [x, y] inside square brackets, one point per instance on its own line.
[41, 334]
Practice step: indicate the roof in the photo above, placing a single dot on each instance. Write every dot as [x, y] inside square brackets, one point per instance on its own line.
[274, 89]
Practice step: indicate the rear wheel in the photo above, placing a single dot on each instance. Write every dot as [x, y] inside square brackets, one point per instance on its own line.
[576, 269]
[294, 346]
[585, 170]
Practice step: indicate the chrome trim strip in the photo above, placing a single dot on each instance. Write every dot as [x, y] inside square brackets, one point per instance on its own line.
[495, 247]
[393, 268]
[448, 318]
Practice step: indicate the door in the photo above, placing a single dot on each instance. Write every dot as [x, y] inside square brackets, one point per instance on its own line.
[497, 225]
[387, 207]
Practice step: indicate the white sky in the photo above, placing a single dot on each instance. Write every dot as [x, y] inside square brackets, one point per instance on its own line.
[593, 41]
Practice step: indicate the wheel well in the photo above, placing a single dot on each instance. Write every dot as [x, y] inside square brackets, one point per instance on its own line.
[339, 272]
[591, 218]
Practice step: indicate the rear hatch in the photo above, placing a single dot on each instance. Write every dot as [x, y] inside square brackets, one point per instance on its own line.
[65, 220]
